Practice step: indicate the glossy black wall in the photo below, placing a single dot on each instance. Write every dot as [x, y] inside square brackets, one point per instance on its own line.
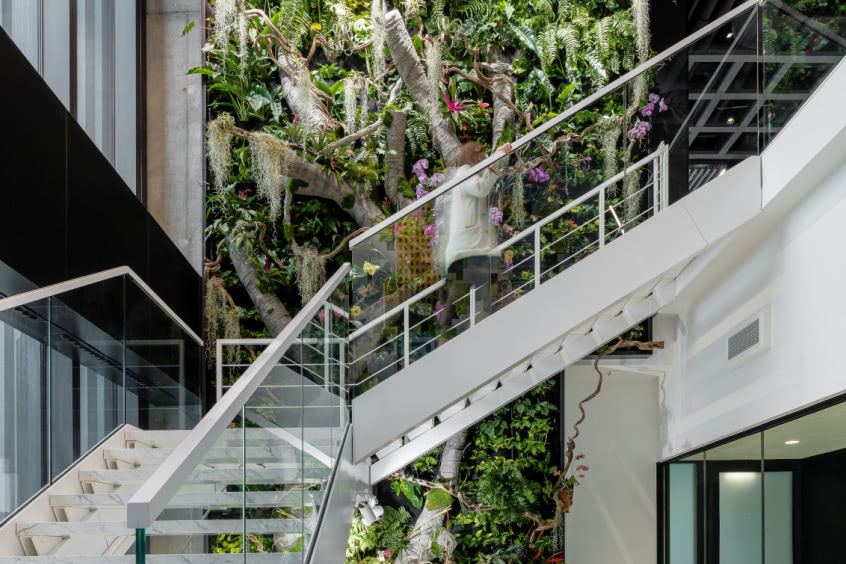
[65, 212]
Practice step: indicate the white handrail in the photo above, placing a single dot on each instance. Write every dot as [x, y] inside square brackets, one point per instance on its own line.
[662, 149]
[397, 309]
[25, 298]
[534, 134]
[154, 494]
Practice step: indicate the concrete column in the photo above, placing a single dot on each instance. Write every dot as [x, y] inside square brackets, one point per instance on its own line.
[175, 119]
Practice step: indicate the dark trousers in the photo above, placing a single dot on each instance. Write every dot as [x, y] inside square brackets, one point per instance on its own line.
[462, 275]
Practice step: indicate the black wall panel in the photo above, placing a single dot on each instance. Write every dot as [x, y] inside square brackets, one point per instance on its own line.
[65, 211]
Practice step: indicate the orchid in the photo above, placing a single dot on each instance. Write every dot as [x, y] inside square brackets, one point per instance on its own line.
[653, 97]
[369, 268]
[538, 175]
[453, 105]
[662, 106]
[439, 307]
[430, 230]
[483, 105]
[648, 109]
[495, 215]
[419, 169]
[436, 179]
[420, 191]
[639, 130]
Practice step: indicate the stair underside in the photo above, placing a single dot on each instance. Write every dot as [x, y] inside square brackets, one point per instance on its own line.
[551, 327]
[550, 360]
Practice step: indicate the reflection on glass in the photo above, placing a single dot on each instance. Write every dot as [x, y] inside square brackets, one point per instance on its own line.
[24, 385]
[791, 514]
[79, 365]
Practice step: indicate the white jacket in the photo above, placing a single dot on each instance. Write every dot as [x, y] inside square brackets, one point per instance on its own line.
[470, 230]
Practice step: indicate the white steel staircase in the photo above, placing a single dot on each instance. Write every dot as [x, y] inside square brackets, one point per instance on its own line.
[276, 459]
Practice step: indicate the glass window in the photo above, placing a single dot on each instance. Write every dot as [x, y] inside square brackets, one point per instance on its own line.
[21, 19]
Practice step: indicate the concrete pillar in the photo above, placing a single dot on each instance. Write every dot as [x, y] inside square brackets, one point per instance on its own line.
[175, 119]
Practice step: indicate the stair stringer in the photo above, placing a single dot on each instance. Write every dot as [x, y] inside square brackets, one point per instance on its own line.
[512, 338]
[511, 386]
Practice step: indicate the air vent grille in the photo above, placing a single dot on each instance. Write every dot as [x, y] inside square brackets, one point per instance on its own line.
[744, 339]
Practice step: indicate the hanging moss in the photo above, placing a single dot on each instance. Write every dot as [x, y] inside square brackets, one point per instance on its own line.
[518, 201]
[269, 168]
[225, 21]
[640, 15]
[218, 145]
[609, 135]
[221, 318]
[243, 36]
[350, 103]
[632, 205]
[377, 21]
[311, 272]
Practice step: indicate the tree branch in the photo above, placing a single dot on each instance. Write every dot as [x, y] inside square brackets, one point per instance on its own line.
[411, 71]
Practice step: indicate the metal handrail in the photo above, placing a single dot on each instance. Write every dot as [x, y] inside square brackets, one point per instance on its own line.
[24, 298]
[154, 494]
[657, 154]
[534, 134]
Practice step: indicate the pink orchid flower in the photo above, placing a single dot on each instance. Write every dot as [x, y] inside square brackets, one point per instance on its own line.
[453, 105]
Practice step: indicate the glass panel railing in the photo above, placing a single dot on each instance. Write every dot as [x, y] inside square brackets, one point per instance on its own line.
[580, 181]
[79, 364]
[265, 474]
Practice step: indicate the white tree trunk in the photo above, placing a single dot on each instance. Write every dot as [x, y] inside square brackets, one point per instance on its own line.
[414, 76]
[430, 520]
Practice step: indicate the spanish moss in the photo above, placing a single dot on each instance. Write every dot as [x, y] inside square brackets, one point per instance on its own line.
[218, 144]
[270, 165]
[311, 271]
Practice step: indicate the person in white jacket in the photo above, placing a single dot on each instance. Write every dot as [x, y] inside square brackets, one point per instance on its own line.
[469, 235]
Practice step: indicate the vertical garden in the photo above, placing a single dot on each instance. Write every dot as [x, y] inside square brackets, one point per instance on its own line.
[324, 117]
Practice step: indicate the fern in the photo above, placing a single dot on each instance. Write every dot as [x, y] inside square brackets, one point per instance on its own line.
[417, 133]
[526, 36]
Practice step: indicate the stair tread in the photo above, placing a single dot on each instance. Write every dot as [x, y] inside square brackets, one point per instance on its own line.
[215, 455]
[170, 527]
[191, 499]
[208, 475]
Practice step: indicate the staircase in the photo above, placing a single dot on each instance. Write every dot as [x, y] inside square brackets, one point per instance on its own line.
[276, 464]
[83, 518]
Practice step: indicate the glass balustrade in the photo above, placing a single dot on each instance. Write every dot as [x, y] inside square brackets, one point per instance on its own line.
[582, 180]
[80, 364]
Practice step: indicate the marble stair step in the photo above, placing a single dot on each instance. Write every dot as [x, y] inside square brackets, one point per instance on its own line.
[137, 476]
[225, 455]
[161, 528]
[258, 558]
[235, 437]
[192, 499]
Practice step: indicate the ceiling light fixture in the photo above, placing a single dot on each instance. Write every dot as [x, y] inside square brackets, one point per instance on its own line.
[729, 35]
[730, 120]
[791, 442]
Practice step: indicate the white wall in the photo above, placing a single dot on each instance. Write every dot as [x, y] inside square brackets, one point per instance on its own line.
[613, 518]
[792, 262]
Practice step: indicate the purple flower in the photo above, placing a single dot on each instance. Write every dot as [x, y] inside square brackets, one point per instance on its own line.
[648, 109]
[439, 307]
[419, 170]
[538, 175]
[433, 241]
[653, 97]
[495, 216]
[662, 106]
[436, 179]
[420, 191]
[430, 230]
[639, 130]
